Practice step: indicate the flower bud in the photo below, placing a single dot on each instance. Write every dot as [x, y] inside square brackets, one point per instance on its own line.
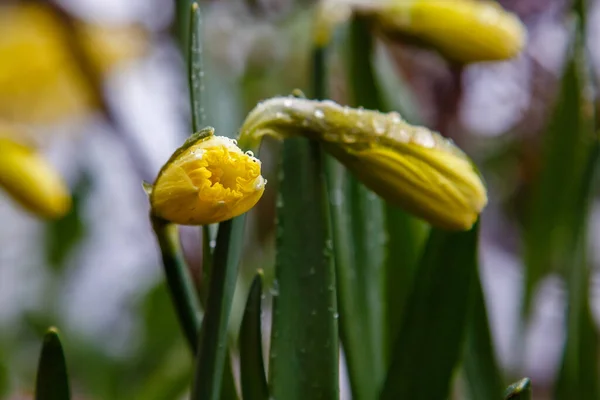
[407, 165]
[464, 31]
[31, 181]
[208, 180]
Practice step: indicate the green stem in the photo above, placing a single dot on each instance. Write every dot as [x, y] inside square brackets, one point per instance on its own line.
[212, 348]
[179, 281]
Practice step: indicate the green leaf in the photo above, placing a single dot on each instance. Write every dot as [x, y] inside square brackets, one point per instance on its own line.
[179, 281]
[484, 378]
[567, 144]
[195, 68]
[252, 368]
[520, 390]
[429, 345]
[578, 378]
[52, 382]
[212, 358]
[304, 343]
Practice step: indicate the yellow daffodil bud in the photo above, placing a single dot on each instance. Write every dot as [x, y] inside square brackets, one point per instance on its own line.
[464, 31]
[40, 77]
[208, 180]
[31, 181]
[407, 165]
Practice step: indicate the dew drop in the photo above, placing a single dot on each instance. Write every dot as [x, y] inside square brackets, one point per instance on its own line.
[234, 141]
[336, 315]
[249, 153]
[288, 103]
[212, 244]
[424, 138]
[378, 126]
[319, 114]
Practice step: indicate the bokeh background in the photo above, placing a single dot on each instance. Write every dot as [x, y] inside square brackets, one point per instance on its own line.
[95, 273]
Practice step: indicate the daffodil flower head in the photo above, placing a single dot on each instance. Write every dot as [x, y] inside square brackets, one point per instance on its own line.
[208, 180]
[406, 165]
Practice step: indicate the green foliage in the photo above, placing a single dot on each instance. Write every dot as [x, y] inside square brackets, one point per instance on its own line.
[429, 345]
[304, 335]
[52, 381]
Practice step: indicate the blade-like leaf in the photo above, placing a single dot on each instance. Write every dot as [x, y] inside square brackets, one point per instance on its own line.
[252, 368]
[52, 382]
[429, 344]
[212, 355]
[195, 70]
[566, 150]
[482, 372]
[304, 344]
[520, 390]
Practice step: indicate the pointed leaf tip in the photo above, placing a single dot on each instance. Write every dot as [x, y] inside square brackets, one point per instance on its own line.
[52, 382]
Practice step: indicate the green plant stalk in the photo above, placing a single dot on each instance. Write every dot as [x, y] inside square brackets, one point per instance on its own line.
[304, 344]
[179, 281]
[52, 382]
[195, 68]
[252, 368]
[212, 348]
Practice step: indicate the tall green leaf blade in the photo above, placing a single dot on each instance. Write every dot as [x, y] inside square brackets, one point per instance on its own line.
[566, 150]
[195, 68]
[483, 375]
[252, 368]
[212, 357]
[430, 342]
[52, 382]
[578, 377]
[304, 343]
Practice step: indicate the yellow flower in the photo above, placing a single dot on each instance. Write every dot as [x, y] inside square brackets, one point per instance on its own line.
[463, 31]
[31, 181]
[40, 78]
[407, 165]
[208, 180]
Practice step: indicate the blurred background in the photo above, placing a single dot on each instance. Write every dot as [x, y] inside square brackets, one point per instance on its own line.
[95, 273]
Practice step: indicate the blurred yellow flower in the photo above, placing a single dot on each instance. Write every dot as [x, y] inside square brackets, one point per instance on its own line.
[407, 165]
[208, 180]
[464, 31]
[40, 79]
[31, 181]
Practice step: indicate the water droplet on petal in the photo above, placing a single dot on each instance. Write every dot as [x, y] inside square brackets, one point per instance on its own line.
[319, 114]
[249, 153]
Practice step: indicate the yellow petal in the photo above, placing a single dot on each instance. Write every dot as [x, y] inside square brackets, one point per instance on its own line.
[208, 180]
[462, 30]
[31, 181]
[407, 165]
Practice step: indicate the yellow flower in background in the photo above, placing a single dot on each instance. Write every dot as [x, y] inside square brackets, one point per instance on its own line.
[208, 180]
[463, 31]
[42, 82]
[406, 165]
[40, 78]
[31, 181]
